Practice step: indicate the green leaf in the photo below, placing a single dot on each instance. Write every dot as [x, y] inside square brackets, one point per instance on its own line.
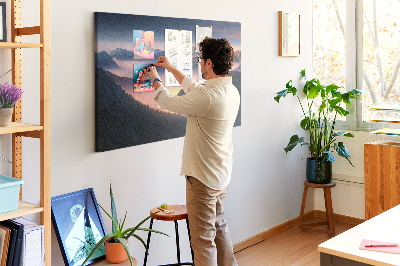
[349, 135]
[280, 94]
[126, 247]
[140, 239]
[305, 123]
[331, 87]
[313, 92]
[102, 240]
[115, 223]
[294, 140]
[303, 73]
[122, 225]
[113, 211]
[327, 156]
[137, 226]
[346, 98]
[152, 230]
[343, 151]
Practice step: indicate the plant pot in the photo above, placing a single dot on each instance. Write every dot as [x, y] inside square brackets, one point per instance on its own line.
[319, 172]
[5, 116]
[115, 252]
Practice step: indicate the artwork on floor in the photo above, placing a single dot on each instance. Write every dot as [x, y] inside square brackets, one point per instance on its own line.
[143, 42]
[78, 226]
[126, 113]
[289, 34]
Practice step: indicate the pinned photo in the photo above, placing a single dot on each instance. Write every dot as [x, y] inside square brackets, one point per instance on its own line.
[143, 44]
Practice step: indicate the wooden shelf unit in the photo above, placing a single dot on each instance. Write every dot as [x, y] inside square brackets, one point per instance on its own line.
[42, 131]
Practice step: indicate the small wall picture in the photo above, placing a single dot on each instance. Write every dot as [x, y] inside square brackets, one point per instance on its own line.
[143, 42]
[141, 80]
[289, 34]
[3, 28]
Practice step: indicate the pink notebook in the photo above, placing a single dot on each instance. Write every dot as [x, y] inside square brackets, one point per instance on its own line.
[393, 249]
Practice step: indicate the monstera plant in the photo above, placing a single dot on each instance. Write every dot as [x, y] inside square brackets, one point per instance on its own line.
[324, 103]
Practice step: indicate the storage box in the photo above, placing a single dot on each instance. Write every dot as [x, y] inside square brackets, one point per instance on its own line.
[9, 193]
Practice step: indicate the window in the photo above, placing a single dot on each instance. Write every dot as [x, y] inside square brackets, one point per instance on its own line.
[363, 54]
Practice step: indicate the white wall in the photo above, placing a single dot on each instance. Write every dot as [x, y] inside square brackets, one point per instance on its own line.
[267, 184]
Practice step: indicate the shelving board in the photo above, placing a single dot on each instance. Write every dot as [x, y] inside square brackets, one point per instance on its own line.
[24, 208]
[16, 127]
[10, 45]
[385, 120]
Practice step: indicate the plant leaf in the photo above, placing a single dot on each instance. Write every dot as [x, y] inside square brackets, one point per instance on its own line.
[102, 240]
[137, 226]
[343, 151]
[327, 156]
[349, 135]
[303, 73]
[294, 140]
[113, 211]
[305, 123]
[115, 223]
[141, 240]
[126, 247]
[152, 230]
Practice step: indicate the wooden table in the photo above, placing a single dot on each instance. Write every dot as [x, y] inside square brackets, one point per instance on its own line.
[344, 248]
[105, 263]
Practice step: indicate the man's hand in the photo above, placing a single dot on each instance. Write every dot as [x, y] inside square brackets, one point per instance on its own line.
[165, 63]
[152, 72]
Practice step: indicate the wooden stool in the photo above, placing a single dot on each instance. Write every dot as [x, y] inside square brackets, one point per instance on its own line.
[180, 213]
[328, 207]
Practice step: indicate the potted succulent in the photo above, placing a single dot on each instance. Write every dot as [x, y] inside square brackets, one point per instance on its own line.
[324, 105]
[116, 243]
[9, 95]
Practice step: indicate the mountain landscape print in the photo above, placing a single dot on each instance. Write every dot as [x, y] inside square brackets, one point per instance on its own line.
[124, 116]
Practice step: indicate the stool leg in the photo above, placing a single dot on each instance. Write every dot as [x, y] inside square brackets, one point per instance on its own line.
[148, 242]
[329, 211]
[190, 240]
[178, 252]
[303, 204]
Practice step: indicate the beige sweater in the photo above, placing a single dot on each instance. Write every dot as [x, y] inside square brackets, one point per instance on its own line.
[211, 112]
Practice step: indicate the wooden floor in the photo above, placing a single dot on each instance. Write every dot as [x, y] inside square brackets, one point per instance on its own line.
[290, 247]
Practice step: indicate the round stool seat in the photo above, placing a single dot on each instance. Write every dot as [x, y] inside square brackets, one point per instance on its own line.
[308, 184]
[180, 213]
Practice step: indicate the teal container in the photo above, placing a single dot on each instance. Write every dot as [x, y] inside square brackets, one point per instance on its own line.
[9, 193]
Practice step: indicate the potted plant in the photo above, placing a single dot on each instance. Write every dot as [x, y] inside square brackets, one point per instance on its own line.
[324, 105]
[9, 95]
[116, 243]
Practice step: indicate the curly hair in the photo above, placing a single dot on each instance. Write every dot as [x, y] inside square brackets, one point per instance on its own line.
[220, 52]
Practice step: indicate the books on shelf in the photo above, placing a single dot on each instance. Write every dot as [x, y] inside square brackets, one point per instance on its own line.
[386, 131]
[4, 243]
[32, 248]
[26, 243]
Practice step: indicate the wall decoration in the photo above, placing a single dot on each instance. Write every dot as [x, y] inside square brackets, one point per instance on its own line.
[178, 47]
[141, 80]
[126, 116]
[78, 226]
[289, 34]
[3, 25]
[143, 42]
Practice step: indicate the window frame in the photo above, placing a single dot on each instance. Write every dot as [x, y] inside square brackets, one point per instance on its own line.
[354, 70]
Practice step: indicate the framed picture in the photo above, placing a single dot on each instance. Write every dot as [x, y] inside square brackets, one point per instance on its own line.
[78, 226]
[3, 26]
[289, 34]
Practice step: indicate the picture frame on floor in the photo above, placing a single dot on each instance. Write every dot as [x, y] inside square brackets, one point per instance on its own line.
[78, 226]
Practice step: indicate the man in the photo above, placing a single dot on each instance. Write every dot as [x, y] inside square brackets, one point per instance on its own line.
[207, 154]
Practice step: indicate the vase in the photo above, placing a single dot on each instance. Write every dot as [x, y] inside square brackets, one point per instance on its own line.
[318, 172]
[5, 116]
[115, 252]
